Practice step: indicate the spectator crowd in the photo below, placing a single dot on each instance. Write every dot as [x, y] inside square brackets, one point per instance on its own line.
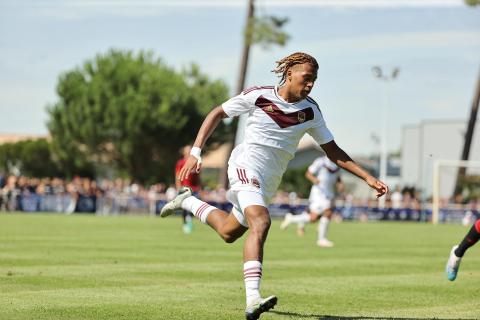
[120, 196]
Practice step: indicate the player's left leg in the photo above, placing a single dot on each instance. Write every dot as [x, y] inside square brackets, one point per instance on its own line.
[457, 252]
[305, 218]
[323, 229]
[259, 222]
[290, 218]
[300, 219]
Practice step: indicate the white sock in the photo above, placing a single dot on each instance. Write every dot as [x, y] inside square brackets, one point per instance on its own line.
[323, 227]
[252, 274]
[300, 218]
[199, 208]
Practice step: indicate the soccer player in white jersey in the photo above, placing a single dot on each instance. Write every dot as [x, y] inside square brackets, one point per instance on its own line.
[325, 178]
[278, 116]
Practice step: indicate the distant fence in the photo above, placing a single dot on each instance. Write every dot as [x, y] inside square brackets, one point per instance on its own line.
[124, 204]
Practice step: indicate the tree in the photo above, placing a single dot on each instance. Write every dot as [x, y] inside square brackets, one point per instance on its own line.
[30, 158]
[130, 112]
[294, 181]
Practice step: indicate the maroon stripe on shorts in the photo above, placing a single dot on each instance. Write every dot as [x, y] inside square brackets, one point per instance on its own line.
[245, 175]
[242, 175]
[239, 173]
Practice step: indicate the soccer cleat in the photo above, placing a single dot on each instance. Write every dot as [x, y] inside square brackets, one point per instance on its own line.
[254, 310]
[453, 263]
[324, 243]
[176, 204]
[286, 221]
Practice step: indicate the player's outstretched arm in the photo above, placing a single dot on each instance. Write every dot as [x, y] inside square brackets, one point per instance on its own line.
[209, 124]
[343, 160]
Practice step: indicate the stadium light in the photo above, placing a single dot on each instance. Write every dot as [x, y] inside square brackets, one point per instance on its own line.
[379, 74]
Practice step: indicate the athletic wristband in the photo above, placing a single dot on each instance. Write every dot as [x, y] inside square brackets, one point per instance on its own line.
[196, 151]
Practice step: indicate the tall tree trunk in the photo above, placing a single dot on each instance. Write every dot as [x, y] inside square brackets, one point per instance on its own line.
[469, 136]
[247, 39]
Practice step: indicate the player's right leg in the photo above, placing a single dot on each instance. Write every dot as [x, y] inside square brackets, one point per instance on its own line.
[457, 252]
[323, 229]
[226, 225]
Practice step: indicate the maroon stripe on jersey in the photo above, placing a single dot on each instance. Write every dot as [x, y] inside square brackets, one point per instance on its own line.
[284, 120]
[239, 173]
[248, 90]
[330, 169]
[312, 101]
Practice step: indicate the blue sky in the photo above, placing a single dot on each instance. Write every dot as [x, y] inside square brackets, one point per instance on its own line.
[435, 43]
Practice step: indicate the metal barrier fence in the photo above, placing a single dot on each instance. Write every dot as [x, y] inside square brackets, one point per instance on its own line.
[123, 204]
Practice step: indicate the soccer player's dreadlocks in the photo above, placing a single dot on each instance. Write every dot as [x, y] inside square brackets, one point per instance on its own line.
[289, 61]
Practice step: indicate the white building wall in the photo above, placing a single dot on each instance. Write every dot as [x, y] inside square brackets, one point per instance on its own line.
[410, 165]
[430, 141]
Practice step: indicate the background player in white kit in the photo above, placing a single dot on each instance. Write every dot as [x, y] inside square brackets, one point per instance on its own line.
[277, 118]
[325, 179]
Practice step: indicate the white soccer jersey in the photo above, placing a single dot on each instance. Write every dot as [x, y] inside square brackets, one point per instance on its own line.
[327, 173]
[274, 128]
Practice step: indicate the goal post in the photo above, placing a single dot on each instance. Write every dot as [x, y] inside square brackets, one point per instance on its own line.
[438, 164]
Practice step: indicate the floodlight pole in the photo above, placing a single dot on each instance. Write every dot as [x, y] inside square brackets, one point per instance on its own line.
[378, 73]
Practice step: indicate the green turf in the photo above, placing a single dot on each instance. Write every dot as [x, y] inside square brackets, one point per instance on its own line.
[85, 267]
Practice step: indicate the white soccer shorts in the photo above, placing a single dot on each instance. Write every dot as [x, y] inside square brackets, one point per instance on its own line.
[243, 199]
[319, 204]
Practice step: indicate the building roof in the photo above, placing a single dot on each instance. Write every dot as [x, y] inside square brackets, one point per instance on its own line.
[16, 137]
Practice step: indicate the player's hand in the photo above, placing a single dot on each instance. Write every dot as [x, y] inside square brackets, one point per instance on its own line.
[192, 164]
[378, 185]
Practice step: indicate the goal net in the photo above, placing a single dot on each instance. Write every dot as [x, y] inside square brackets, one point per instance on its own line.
[445, 207]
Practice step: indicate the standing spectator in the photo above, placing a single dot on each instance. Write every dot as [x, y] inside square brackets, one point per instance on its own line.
[192, 181]
[2, 184]
[397, 199]
[10, 194]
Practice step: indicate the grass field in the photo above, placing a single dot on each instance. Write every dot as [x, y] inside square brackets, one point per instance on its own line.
[85, 267]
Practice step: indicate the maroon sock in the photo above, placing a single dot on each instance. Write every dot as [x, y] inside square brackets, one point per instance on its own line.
[470, 239]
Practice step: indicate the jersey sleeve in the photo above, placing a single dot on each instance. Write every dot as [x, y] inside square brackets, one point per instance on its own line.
[331, 165]
[314, 168]
[320, 133]
[238, 105]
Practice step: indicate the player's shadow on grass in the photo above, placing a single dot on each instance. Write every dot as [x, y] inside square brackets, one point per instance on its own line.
[327, 317]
